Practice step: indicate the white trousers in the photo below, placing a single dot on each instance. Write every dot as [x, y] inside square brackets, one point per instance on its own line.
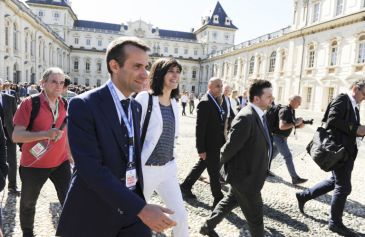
[163, 180]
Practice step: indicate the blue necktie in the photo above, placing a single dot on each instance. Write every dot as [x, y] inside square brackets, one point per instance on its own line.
[267, 133]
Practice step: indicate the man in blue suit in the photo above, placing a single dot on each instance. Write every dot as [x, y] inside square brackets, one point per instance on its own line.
[105, 196]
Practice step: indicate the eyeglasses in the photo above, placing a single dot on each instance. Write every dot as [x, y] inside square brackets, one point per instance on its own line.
[54, 82]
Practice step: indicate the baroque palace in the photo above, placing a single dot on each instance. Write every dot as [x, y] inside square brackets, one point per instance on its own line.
[317, 56]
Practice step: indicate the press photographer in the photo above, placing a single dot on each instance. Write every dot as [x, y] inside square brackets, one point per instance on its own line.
[283, 121]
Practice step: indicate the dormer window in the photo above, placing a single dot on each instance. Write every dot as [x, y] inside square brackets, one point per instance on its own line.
[215, 19]
[40, 13]
[228, 21]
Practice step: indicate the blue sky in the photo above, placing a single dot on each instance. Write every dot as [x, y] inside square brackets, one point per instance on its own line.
[253, 17]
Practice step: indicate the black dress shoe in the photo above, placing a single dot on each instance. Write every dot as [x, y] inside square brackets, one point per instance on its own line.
[301, 202]
[187, 192]
[14, 191]
[342, 230]
[205, 230]
[298, 180]
[270, 174]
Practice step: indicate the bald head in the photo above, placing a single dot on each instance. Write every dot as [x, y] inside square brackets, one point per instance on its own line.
[227, 90]
[215, 86]
[295, 101]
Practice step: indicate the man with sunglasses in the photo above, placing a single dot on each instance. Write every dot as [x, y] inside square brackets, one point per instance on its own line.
[45, 153]
[343, 121]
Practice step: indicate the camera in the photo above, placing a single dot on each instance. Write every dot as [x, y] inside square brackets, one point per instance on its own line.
[308, 121]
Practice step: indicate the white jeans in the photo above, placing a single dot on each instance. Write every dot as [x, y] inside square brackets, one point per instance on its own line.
[163, 180]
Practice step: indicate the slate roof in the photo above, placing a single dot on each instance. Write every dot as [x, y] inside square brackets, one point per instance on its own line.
[218, 10]
[98, 25]
[50, 2]
[177, 34]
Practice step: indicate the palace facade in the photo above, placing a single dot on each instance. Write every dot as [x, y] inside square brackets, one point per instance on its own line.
[317, 56]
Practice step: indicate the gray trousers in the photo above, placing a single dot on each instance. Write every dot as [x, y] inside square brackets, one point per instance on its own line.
[251, 206]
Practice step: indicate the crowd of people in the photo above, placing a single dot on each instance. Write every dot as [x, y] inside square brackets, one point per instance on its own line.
[116, 147]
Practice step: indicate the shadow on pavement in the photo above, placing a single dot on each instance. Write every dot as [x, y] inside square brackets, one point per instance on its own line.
[9, 210]
[55, 210]
[197, 203]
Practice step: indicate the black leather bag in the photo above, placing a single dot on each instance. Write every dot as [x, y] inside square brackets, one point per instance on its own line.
[324, 150]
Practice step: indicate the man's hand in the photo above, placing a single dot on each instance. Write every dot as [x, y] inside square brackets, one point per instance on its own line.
[203, 156]
[361, 131]
[155, 218]
[54, 134]
[299, 122]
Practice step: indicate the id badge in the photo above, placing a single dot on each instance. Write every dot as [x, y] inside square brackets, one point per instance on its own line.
[38, 149]
[131, 178]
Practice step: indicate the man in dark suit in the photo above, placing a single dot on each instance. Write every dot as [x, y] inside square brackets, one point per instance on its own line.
[209, 140]
[245, 159]
[8, 107]
[343, 121]
[105, 196]
[243, 99]
[228, 111]
[3, 167]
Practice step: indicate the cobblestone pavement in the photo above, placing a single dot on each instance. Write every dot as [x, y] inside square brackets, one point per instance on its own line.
[281, 215]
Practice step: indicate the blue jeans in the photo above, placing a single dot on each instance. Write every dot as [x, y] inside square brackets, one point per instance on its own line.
[340, 182]
[281, 145]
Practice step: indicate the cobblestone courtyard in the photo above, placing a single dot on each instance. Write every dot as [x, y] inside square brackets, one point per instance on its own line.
[281, 214]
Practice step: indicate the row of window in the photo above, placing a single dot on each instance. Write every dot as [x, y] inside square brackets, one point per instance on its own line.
[56, 15]
[155, 48]
[311, 52]
[338, 10]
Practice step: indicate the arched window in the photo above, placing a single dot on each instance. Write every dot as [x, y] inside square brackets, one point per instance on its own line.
[252, 64]
[15, 37]
[361, 54]
[235, 69]
[87, 65]
[333, 53]
[339, 7]
[272, 61]
[311, 53]
[76, 64]
[7, 34]
[193, 74]
[283, 61]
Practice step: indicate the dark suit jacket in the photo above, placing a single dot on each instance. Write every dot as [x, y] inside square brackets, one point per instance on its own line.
[98, 203]
[3, 165]
[341, 125]
[9, 106]
[209, 127]
[245, 154]
[226, 107]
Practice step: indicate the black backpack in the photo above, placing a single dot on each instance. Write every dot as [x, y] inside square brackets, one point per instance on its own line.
[272, 117]
[36, 104]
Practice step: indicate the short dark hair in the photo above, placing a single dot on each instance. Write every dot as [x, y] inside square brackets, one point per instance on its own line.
[115, 50]
[67, 81]
[157, 74]
[257, 87]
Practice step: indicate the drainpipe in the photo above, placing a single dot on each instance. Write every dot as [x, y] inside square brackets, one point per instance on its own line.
[303, 43]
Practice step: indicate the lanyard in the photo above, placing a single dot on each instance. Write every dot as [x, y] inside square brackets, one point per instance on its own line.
[221, 112]
[128, 123]
[54, 112]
